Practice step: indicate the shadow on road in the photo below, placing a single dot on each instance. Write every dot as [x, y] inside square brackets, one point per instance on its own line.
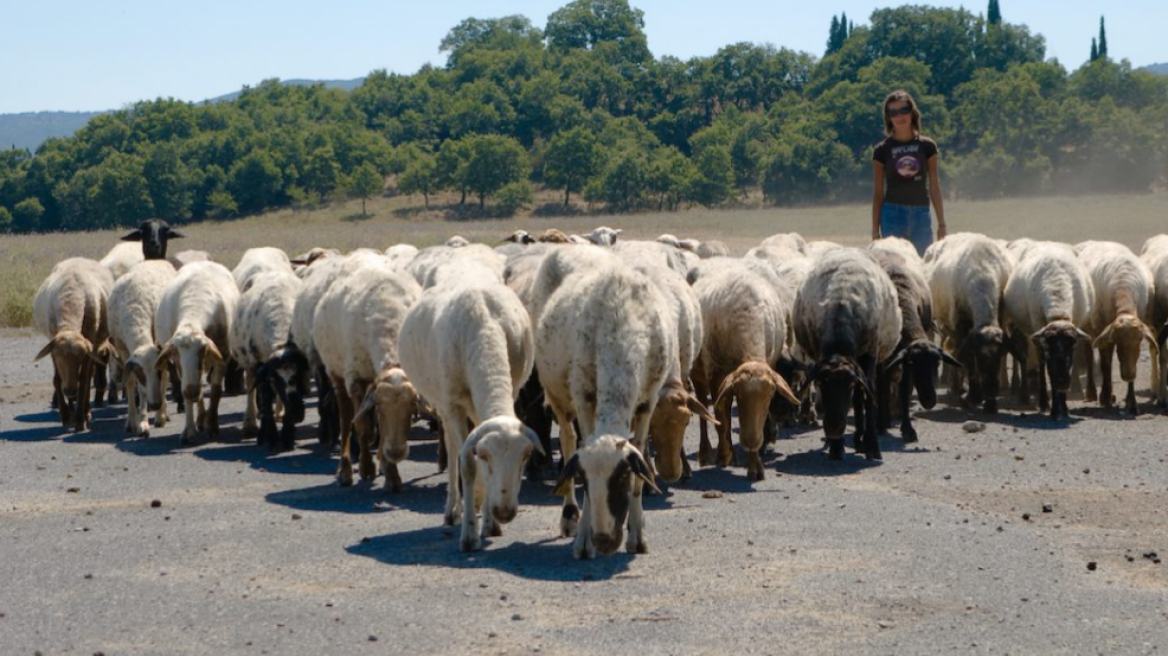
[546, 560]
[362, 498]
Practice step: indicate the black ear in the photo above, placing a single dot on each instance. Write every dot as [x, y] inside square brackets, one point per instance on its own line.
[567, 479]
[642, 470]
[136, 235]
[1160, 338]
[945, 357]
[171, 233]
[897, 359]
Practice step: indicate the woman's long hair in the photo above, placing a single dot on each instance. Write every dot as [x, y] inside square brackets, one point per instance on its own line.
[901, 94]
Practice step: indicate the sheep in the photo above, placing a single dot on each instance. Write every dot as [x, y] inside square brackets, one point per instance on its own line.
[1049, 296]
[355, 330]
[676, 403]
[691, 245]
[468, 348]
[132, 304]
[604, 346]
[967, 277]
[712, 248]
[457, 241]
[121, 258]
[183, 258]
[70, 310]
[560, 265]
[604, 236]
[400, 255]
[1123, 294]
[192, 324]
[301, 263]
[636, 253]
[669, 240]
[427, 266]
[818, 248]
[774, 254]
[316, 283]
[259, 260]
[554, 236]
[916, 350]
[791, 240]
[1155, 255]
[520, 237]
[154, 234]
[275, 368]
[745, 326]
[848, 320]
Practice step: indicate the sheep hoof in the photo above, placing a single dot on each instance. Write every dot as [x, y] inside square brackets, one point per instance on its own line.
[569, 521]
[393, 480]
[450, 518]
[835, 449]
[909, 434]
[470, 543]
[345, 474]
[367, 470]
[494, 530]
[638, 547]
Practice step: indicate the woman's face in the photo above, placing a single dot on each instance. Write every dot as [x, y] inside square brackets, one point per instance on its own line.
[896, 112]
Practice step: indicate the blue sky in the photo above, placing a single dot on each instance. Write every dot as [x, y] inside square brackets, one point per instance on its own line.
[85, 55]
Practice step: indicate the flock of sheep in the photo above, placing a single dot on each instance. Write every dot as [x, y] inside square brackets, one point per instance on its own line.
[623, 341]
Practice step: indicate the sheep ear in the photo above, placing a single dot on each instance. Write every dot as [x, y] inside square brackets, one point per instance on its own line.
[1153, 345]
[949, 359]
[897, 359]
[164, 357]
[135, 370]
[725, 388]
[1036, 338]
[565, 484]
[171, 233]
[783, 388]
[641, 469]
[1104, 338]
[368, 404]
[213, 352]
[135, 235]
[696, 406]
[535, 441]
[46, 350]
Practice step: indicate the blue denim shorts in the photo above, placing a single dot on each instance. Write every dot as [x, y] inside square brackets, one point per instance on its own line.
[912, 222]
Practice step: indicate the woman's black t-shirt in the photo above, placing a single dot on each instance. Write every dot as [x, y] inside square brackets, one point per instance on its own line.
[906, 169]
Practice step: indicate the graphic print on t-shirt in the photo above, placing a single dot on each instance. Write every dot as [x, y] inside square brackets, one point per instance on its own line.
[907, 158]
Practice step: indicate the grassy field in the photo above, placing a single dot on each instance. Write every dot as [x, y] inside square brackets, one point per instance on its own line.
[26, 260]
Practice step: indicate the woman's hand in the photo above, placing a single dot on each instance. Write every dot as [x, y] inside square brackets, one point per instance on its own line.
[941, 232]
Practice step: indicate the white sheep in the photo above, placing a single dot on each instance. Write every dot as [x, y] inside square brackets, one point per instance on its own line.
[847, 319]
[967, 277]
[712, 248]
[259, 260]
[468, 348]
[603, 236]
[1155, 255]
[400, 255]
[183, 258]
[604, 346]
[1123, 297]
[70, 310]
[790, 240]
[651, 253]
[745, 324]
[123, 257]
[427, 266]
[1047, 300]
[192, 324]
[132, 304]
[355, 330]
[276, 371]
[560, 265]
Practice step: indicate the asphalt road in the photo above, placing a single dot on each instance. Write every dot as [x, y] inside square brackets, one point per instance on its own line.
[943, 548]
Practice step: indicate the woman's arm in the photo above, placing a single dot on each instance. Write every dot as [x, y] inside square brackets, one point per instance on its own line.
[877, 196]
[935, 194]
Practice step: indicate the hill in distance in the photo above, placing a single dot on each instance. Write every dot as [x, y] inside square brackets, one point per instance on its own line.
[28, 130]
[1158, 69]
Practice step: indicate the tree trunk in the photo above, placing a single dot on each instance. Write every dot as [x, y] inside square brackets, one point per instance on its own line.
[426, 197]
[363, 208]
[567, 191]
[462, 201]
[482, 201]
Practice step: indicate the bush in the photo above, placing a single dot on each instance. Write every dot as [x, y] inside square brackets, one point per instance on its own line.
[514, 197]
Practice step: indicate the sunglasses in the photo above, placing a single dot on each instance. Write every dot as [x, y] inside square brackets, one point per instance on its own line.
[903, 111]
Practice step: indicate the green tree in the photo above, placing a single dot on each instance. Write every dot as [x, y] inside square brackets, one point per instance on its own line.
[170, 182]
[365, 183]
[322, 173]
[624, 182]
[572, 158]
[5, 219]
[1102, 39]
[994, 13]
[586, 24]
[1094, 50]
[834, 42]
[506, 33]
[451, 163]
[26, 216]
[513, 197]
[420, 177]
[256, 182]
[713, 183]
[494, 161]
[670, 177]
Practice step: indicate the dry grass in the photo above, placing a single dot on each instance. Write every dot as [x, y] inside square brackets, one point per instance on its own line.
[26, 260]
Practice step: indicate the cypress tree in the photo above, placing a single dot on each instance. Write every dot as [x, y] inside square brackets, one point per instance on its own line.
[844, 29]
[994, 13]
[833, 40]
[1094, 50]
[1102, 40]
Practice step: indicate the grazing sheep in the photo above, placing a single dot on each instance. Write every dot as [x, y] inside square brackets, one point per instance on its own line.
[967, 277]
[676, 403]
[1155, 255]
[916, 352]
[70, 310]
[457, 241]
[816, 249]
[712, 248]
[790, 240]
[651, 253]
[121, 258]
[427, 267]
[554, 236]
[690, 245]
[182, 258]
[744, 321]
[604, 236]
[133, 302]
[260, 260]
[520, 237]
[604, 346]
[1123, 295]
[400, 255]
[560, 265]
[355, 330]
[275, 369]
[848, 320]
[192, 324]
[1048, 297]
[302, 262]
[154, 234]
[774, 254]
[902, 247]
[468, 348]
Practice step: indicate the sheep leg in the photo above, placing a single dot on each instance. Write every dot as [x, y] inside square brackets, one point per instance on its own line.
[871, 431]
[176, 388]
[442, 456]
[216, 381]
[1091, 395]
[250, 426]
[686, 470]
[266, 435]
[861, 424]
[570, 514]
[136, 423]
[907, 432]
[59, 400]
[725, 436]
[100, 382]
[82, 419]
[193, 420]
[636, 542]
[454, 421]
[364, 429]
[327, 408]
[884, 406]
[1106, 393]
[161, 418]
[1129, 402]
[345, 412]
[470, 540]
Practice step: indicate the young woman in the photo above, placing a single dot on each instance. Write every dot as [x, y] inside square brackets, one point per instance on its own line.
[905, 178]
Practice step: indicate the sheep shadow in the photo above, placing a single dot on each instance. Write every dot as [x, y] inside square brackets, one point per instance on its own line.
[38, 434]
[308, 458]
[363, 498]
[545, 560]
[817, 463]
[1033, 420]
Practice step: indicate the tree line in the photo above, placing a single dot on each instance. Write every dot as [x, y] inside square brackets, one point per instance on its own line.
[583, 107]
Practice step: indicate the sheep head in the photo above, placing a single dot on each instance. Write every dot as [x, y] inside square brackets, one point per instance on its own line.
[1056, 341]
[837, 376]
[981, 355]
[71, 351]
[920, 360]
[393, 398]
[497, 450]
[675, 406]
[754, 383]
[1125, 335]
[154, 234]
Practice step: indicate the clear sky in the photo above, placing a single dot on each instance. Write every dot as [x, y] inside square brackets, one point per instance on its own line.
[85, 55]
